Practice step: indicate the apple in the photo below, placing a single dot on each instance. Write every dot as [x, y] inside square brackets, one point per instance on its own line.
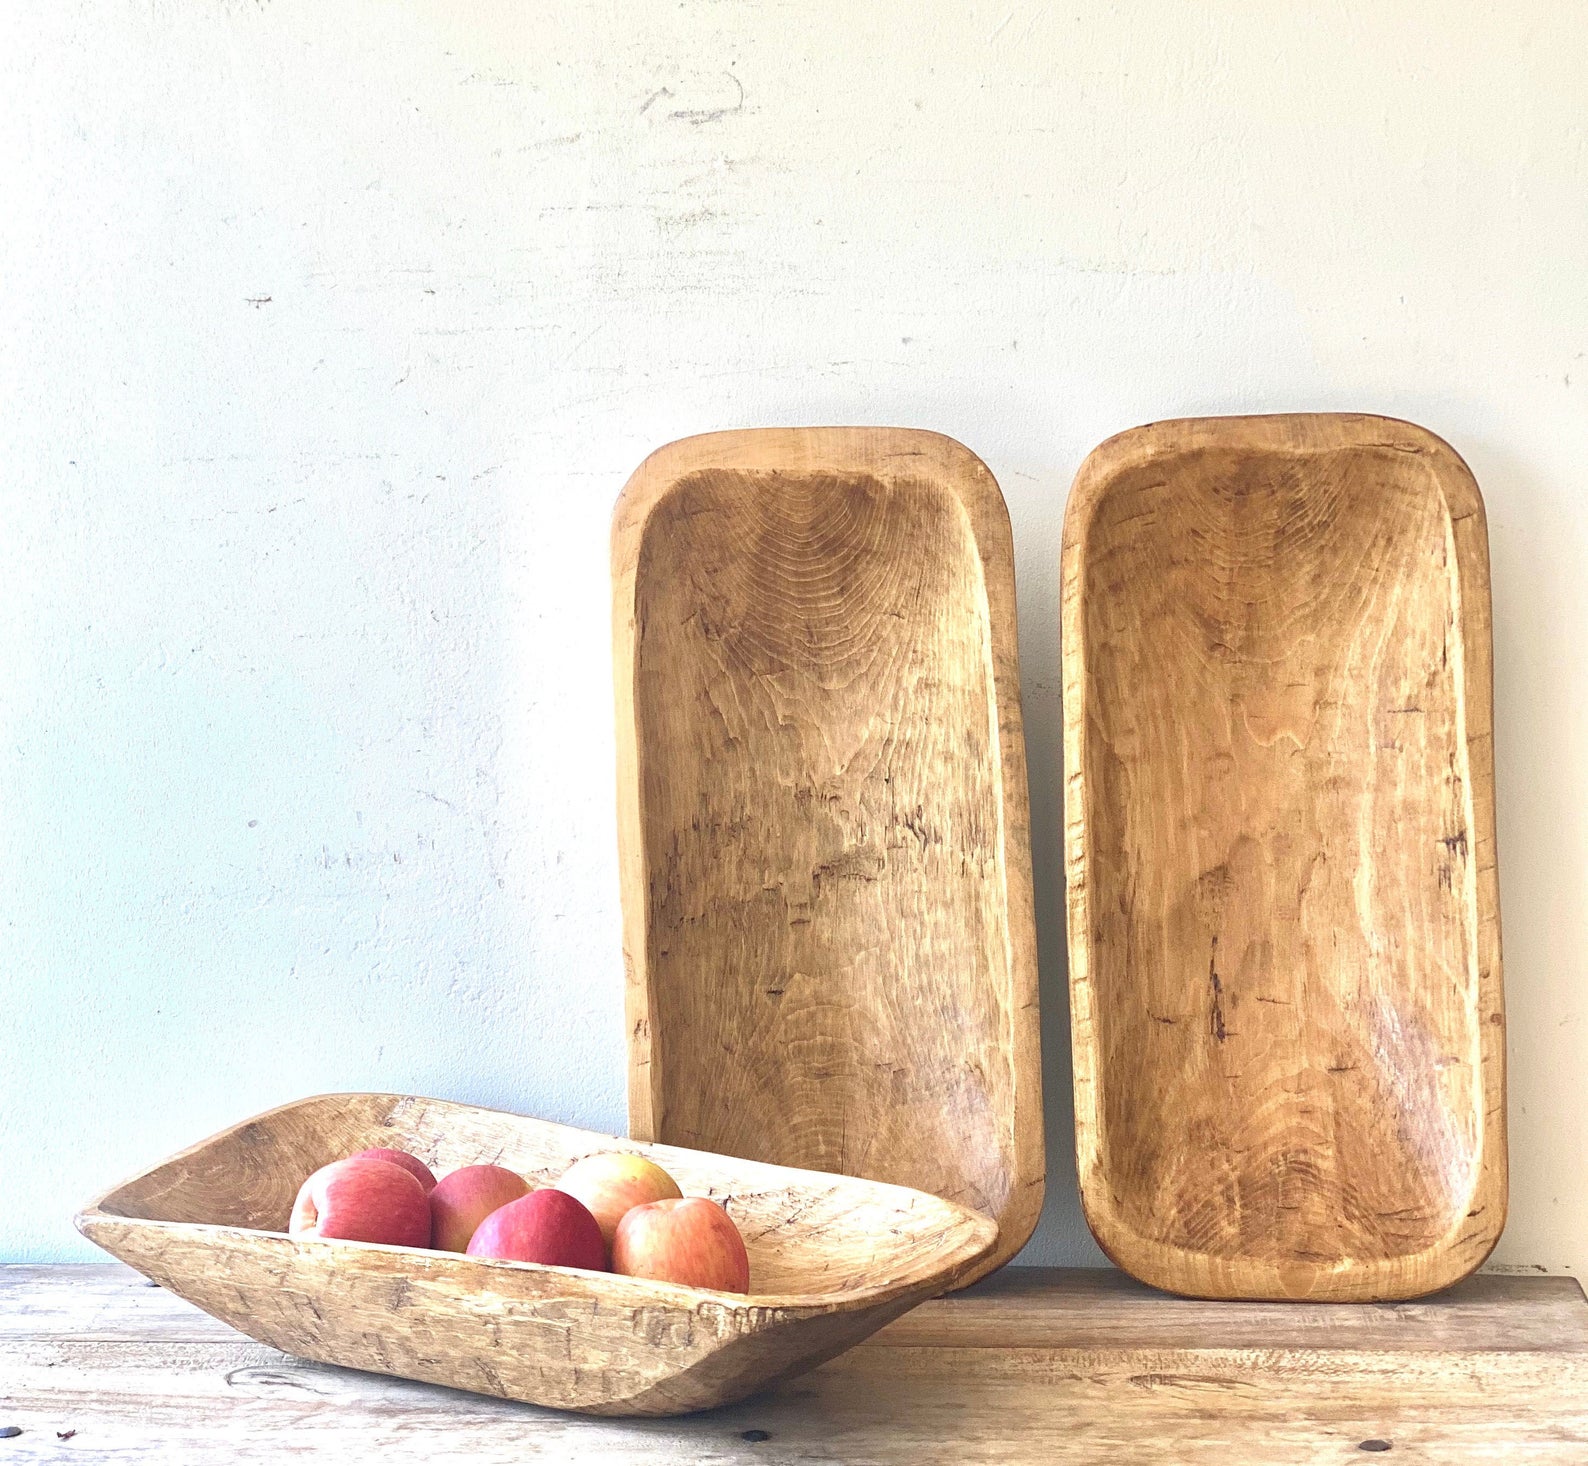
[465, 1198]
[693, 1242]
[362, 1199]
[410, 1163]
[546, 1226]
[614, 1183]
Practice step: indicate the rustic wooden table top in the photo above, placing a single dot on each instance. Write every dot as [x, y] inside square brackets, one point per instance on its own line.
[1032, 1365]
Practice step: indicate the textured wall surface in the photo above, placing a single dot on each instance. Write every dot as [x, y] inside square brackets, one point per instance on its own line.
[331, 329]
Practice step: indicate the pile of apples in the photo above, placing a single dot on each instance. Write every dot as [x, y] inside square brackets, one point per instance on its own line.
[610, 1212]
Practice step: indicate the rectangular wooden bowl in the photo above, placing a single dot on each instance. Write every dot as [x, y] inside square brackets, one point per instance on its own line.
[1284, 918]
[831, 1259]
[823, 822]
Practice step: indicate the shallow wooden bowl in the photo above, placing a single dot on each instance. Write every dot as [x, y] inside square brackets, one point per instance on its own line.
[1284, 917]
[831, 1259]
[823, 819]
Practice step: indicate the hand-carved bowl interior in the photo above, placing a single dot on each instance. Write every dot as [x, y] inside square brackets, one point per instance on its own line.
[826, 871]
[831, 1260]
[1284, 924]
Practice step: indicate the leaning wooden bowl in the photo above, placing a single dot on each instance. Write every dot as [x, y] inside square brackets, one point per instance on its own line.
[823, 826]
[1289, 1033]
[831, 1260]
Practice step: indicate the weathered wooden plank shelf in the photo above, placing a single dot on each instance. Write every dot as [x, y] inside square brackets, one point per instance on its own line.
[1031, 1365]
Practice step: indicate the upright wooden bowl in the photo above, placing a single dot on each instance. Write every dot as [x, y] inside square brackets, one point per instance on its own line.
[1284, 917]
[823, 820]
[831, 1259]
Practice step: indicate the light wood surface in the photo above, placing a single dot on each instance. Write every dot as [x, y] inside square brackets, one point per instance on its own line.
[1032, 1366]
[823, 816]
[1284, 922]
[831, 1260]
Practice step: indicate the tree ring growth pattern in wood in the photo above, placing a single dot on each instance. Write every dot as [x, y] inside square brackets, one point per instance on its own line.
[823, 816]
[1284, 913]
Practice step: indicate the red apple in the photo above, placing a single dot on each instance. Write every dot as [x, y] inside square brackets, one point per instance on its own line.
[410, 1163]
[693, 1242]
[613, 1183]
[465, 1198]
[362, 1199]
[546, 1226]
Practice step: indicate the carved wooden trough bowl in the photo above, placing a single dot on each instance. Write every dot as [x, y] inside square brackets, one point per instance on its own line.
[1289, 1032]
[823, 825]
[831, 1260]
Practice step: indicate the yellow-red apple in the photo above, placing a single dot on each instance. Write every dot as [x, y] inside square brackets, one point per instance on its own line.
[613, 1183]
[546, 1226]
[362, 1199]
[410, 1163]
[692, 1241]
[465, 1198]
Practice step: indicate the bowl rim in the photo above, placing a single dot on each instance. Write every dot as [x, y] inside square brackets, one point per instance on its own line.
[948, 1265]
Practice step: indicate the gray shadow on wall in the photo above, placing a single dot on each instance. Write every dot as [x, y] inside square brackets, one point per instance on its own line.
[1061, 1238]
[1540, 728]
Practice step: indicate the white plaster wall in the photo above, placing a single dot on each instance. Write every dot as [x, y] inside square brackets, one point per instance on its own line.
[329, 330]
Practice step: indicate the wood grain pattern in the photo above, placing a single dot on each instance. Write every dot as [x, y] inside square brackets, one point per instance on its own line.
[1033, 1365]
[831, 1259]
[1102, 1308]
[1284, 917]
[824, 830]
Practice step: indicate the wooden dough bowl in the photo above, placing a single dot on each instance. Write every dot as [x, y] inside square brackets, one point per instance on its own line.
[823, 820]
[1284, 918]
[831, 1260]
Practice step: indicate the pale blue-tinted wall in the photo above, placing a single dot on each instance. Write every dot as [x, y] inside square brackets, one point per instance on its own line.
[331, 331]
